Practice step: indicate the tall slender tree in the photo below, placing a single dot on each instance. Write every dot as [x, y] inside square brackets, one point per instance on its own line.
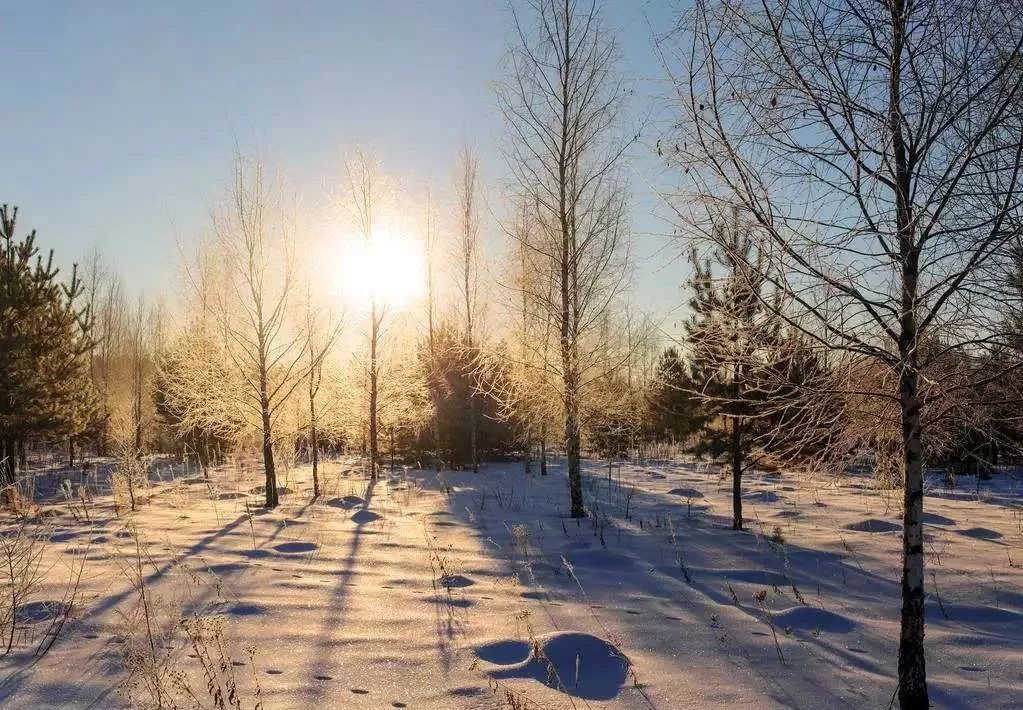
[562, 104]
[361, 196]
[430, 244]
[255, 238]
[467, 189]
[320, 336]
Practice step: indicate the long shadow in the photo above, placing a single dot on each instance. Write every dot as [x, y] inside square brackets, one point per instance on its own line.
[334, 617]
[641, 562]
[839, 578]
[14, 681]
[283, 524]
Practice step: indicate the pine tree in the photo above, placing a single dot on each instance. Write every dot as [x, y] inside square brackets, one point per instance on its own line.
[45, 388]
[673, 412]
[730, 332]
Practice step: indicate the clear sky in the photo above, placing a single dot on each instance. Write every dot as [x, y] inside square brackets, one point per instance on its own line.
[120, 118]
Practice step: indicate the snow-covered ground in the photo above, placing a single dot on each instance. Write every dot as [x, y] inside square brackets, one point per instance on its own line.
[427, 590]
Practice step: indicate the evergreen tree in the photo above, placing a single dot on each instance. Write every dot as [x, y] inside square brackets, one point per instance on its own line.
[674, 413]
[455, 375]
[45, 388]
[730, 333]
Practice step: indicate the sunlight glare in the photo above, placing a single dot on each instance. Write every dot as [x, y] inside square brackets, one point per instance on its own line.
[389, 267]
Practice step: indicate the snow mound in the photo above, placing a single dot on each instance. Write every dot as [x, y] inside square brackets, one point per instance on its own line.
[452, 581]
[811, 618]
[578, 664]
[504, 653]
[873, 525]
[246, 610]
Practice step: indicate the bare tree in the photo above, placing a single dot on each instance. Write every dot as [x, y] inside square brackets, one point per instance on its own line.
[431, 310]
[255, 237]
[320, 336]
[529, 376]
[109, 321]
[140, 361]
[361, 197]
[876, 146]
[467, 194]
[200, 395]
[562, 104]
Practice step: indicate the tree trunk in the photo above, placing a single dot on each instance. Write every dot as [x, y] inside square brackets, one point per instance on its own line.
[374, 333]
[473, 454]
[436, 437]
[270, 487]
[71, 452]
[572, 444]
[912, 664]
[314, 443]
[7, 462]
[912, 667]
[22, 455]
[543, 451]
[737, 458]
[575, 481]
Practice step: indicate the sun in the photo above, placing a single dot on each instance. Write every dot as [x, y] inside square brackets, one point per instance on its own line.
[389, 268]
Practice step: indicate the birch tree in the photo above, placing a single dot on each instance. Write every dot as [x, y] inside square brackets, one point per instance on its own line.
[361, 197]
[562, 105]
[876, 145]
[320, 337]
[467, 190]
[430, 244]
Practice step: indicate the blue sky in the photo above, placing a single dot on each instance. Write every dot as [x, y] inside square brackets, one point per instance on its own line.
[120, 118]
